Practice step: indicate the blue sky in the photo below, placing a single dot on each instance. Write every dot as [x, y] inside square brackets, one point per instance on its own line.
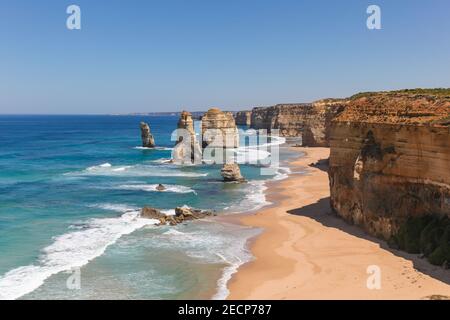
[168, 55]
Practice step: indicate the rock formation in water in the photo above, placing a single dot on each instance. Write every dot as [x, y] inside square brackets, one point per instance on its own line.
[187, 148]
[182, 214]
[309, 121]
[243, 118]
[390, 160]
[219, 130]
[160, 187]
[231, 173]
[147, 138]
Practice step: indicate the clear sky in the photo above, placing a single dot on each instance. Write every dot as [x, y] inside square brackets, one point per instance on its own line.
[166, 55]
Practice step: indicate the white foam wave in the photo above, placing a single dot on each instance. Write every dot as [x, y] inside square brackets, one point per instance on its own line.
[249, 132]
[152, 188]
[169, 212]
[135, 171]
[155, 148]
[104, 165]
[115, 207]
[70, 250]
[258, 153]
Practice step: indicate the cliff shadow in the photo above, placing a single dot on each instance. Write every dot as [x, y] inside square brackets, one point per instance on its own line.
[322, 164]
[322, 213]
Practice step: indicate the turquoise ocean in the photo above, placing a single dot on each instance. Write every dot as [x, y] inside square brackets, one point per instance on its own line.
[71, 188]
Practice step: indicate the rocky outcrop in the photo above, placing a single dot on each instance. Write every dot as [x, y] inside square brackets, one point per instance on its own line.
[160, 187]
[187, 148]
[231, 173]
[243, 118]
[390, 160]
[147, 138]
[219, 129]
[182, 214]
[309, 121]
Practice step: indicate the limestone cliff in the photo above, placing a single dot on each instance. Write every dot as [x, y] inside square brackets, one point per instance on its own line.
[187, 148]
[309, 121]
[390, 160]
[219, 129]
[243, 118]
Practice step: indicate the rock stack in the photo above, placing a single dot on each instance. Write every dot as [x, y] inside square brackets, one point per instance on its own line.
[231, 173]
[187, 149]
[220, 134]
[219, 129]
[147, 138]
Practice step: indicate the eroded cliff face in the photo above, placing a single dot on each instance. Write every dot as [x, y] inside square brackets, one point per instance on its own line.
[309, 121]
[219, 129]
[243, 118]
[390, 160]
[289, 119]
[318, 123]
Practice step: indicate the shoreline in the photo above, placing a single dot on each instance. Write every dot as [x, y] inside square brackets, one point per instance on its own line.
[304, 252]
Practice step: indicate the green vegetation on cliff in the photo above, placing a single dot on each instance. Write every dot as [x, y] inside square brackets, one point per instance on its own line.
[441, 92]
[429, 235]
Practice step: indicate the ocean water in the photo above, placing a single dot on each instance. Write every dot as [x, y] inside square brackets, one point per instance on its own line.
[71, 188]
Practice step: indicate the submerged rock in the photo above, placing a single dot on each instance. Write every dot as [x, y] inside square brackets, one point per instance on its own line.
[160, 187]
[152, 213]
[147, 138]
[231, 173]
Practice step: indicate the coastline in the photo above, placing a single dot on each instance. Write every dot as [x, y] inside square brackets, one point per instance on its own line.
[304, 252]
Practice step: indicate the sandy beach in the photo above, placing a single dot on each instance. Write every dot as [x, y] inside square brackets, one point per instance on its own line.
[305, 252]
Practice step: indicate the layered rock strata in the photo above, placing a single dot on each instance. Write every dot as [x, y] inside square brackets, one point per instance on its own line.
[309, 121]
[187, 148]
[390, 160]
[243, 118]
[147, 138]
[231, 173]
[219, 130]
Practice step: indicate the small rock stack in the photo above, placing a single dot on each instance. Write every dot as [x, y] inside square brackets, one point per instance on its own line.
[147, 138]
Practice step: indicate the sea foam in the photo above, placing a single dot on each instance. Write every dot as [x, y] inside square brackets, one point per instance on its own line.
[70, 250]
[152, 188]
[140, 170]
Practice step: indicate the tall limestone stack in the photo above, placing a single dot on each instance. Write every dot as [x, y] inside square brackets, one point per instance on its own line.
[390, 160]
[219, 129]
[243, 118]
[187, 148]
[220, 134]
[147, 138]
